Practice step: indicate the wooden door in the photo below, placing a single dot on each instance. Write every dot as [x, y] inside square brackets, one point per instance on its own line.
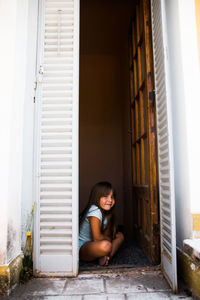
[144, 154]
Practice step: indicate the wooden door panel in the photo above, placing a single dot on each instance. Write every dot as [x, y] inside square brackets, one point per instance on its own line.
[144, 156]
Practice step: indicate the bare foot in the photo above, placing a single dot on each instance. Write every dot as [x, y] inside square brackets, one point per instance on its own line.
[103, 261]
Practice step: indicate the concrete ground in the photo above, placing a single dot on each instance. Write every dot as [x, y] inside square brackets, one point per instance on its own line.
[106, 284]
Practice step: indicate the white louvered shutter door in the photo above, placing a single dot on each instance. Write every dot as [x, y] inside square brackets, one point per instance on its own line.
[165, 143]
[56, 219]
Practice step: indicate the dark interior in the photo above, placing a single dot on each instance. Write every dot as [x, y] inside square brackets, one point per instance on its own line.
[105, 141]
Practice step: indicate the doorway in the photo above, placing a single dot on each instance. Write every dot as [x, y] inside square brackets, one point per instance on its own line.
[107, 149]
[106, 135]
[111, 118]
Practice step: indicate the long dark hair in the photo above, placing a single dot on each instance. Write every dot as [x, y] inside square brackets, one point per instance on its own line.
[99, 190]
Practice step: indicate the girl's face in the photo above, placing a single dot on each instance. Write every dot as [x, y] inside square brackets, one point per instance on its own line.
[107, 202]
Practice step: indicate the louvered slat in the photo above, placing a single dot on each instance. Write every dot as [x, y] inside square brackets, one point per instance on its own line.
[165, 143]
[57, 98]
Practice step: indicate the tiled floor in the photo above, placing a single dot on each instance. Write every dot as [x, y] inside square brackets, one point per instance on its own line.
[118, 284]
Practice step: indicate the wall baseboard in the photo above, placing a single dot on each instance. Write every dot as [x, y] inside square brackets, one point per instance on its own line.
[189, 272]
[9, 275]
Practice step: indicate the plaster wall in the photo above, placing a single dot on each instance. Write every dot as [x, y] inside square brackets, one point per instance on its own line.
[100, 125]
[191, 74]
[128, 219]
[184, 76]
[7, 59]
[197, 9]
[13, 21]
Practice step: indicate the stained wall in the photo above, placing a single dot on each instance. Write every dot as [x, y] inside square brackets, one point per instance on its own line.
[13, 21]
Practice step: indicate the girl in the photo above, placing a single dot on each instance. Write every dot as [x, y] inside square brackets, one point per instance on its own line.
[98, 237]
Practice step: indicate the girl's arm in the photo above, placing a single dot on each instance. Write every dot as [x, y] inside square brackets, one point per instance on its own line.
[95, 225]
[107, 231]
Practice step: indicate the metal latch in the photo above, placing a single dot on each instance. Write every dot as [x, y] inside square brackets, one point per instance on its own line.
[40, 72]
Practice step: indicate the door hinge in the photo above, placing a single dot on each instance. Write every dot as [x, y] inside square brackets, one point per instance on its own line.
[41, 70]
[40, 74]
[34, 93]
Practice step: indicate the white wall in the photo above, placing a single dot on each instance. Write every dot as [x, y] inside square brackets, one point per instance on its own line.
[191, 81]
[28, 143]
[13, 29]
[183, 60]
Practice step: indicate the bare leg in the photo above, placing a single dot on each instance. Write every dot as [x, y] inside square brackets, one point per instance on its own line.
[93, 250]
[101, 249]
[116, 243]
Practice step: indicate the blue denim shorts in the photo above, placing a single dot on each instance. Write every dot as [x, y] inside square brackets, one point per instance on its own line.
[81, 243]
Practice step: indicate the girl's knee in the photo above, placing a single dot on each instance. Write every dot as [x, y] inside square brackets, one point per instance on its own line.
[105, 247]
[120, 236]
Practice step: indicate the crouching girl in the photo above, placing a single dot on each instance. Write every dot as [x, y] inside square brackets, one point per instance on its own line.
[98, 238]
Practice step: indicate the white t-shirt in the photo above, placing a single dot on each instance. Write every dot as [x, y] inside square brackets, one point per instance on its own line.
[85, 234]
